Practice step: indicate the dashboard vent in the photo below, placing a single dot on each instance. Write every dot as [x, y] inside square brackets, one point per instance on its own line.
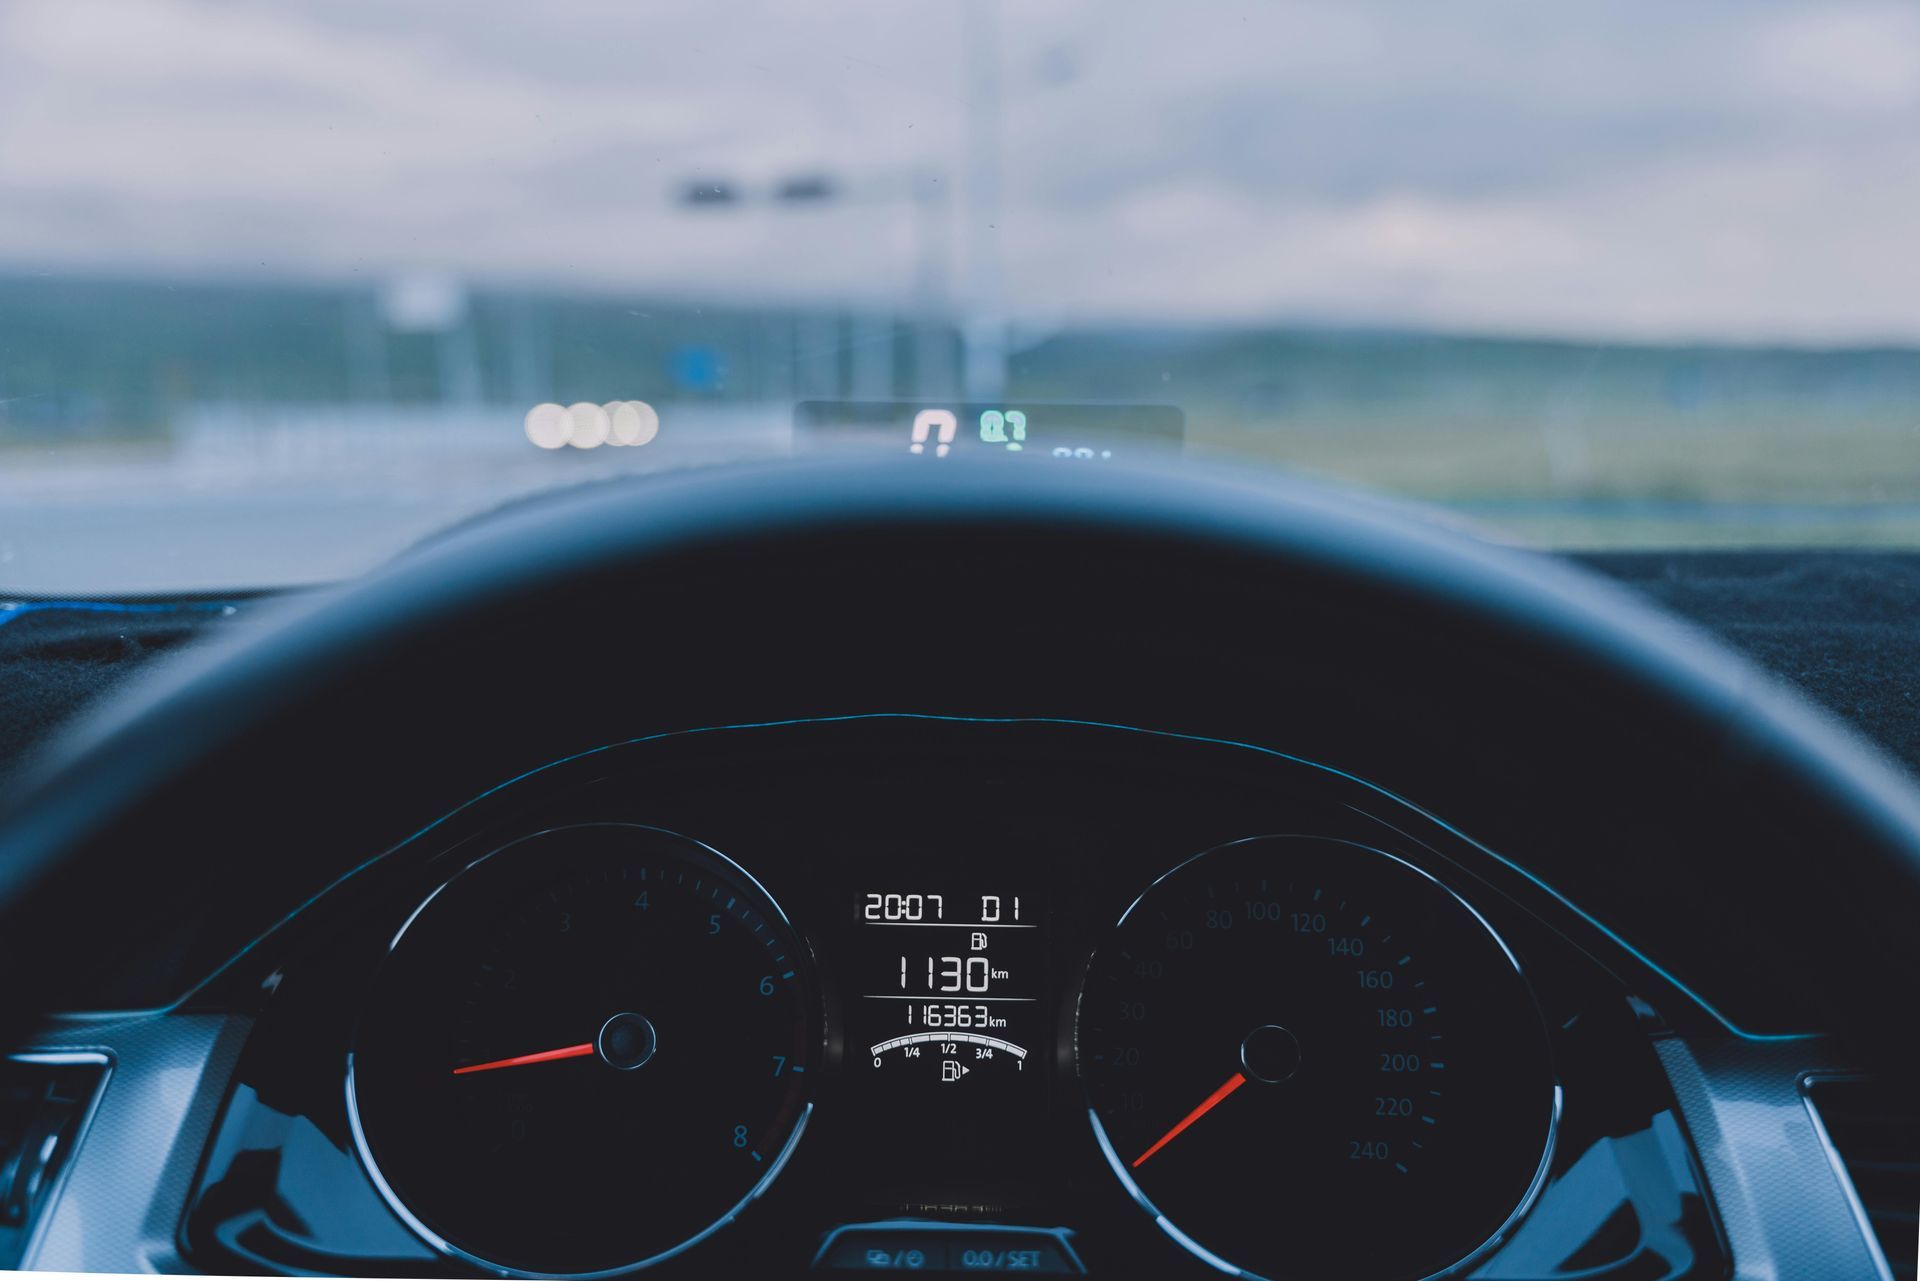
[44, 1101]
[1875, 1129]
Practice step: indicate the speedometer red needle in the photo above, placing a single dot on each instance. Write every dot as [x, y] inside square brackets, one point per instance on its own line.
[1207, 1105]
[519, 1060]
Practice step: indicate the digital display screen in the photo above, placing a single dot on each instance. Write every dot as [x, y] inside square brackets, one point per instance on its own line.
[949, 1014]
[960, 969]
[1071, 433]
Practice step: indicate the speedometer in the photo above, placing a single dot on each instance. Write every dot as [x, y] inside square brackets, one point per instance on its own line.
[1308, 1058]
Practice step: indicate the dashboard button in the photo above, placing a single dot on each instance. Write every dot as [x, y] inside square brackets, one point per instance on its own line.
[910, 1245]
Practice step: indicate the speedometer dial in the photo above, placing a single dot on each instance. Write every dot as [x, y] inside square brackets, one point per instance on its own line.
[1307, 1058]
[587, 1051]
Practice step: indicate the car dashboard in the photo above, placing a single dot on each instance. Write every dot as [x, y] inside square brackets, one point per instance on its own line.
[964, 973]
[482, 970]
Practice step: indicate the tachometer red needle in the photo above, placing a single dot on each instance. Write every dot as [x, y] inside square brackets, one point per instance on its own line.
[1207, 1105]
[519, 1060]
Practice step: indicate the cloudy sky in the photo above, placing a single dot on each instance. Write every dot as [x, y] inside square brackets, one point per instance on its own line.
[1625, 168]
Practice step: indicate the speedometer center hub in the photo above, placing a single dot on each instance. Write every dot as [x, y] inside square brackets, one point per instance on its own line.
[1270, 1054]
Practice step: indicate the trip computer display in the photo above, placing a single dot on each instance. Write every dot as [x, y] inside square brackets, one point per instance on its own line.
[952, 1005]
[949, 1008]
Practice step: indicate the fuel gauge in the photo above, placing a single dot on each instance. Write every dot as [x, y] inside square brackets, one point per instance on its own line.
[951, 1056]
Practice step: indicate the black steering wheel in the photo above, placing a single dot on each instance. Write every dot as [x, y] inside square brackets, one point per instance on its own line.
[1721, 825]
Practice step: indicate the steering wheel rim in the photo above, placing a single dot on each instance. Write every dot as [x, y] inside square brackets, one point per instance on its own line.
[134, 772]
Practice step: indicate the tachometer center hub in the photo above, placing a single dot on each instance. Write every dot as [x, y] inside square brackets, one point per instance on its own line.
[626, 1041]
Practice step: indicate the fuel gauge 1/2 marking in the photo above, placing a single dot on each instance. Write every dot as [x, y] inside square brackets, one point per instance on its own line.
[1307, 1058]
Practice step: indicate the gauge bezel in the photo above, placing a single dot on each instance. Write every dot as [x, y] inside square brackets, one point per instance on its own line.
[1192, 1246]
[812, 1003]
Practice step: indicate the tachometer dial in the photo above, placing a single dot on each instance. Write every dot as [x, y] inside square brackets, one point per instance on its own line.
[1307, 1058]
[586, 1052]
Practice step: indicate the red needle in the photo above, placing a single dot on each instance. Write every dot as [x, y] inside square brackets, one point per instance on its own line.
[518, 1060]
[1207, 1105]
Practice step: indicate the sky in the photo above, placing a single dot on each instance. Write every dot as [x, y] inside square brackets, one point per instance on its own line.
[1673, 169]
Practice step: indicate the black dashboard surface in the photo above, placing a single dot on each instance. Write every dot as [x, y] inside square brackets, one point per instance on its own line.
[1843, 627]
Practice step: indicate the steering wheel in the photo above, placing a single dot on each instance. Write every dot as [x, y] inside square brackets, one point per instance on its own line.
[1622, 757]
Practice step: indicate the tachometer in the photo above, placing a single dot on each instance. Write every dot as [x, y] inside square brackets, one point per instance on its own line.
[1307, 1058]
[587, 1051]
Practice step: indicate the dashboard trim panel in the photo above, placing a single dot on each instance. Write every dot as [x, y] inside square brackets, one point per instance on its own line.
[1561, 901]
[1783, 1204]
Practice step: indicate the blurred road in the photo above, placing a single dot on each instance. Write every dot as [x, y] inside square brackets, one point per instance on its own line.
[242, 499]
[238, 501]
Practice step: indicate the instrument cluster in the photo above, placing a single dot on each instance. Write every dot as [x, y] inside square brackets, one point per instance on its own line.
[903, 993]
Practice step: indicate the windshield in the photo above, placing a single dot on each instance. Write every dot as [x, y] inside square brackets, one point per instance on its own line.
[285, 287]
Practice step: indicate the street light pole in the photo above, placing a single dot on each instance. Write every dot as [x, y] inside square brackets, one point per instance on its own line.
[984, 327]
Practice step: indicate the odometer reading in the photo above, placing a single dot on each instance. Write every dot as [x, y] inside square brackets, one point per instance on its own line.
[586, 1052]
[1312, 1059]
